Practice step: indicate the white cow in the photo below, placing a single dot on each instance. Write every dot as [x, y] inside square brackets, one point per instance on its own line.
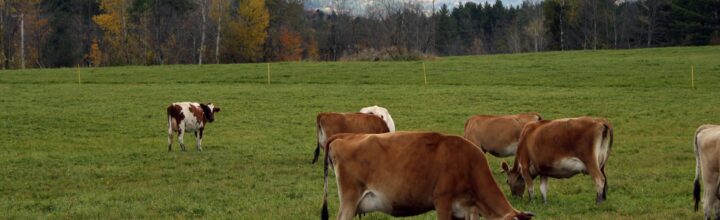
[189, 116]
[382, 113]
[707, 151]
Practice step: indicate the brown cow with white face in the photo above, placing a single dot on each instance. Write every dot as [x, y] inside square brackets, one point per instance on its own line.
[189, 116]
[707, 158]
[498, 134]
[331, 123]
[410, 173]
[561, 149]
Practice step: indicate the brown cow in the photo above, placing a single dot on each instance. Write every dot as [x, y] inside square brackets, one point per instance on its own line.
[498, 135]
[331, 123]
[410, 173]
[707, 149]
[560, 149]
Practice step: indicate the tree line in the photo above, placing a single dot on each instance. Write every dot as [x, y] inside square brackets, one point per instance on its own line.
[58, 33]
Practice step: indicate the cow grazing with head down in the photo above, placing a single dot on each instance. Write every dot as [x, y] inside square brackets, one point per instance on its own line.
[370, 120]
[189, 116]
[410, 173]
[561, 149]
[498, 134]
[382, 113]
[707, 163]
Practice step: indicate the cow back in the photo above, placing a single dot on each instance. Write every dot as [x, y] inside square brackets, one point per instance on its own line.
[545, 142]
[410, 168]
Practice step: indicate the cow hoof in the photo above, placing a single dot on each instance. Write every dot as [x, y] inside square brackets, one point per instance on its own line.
[599, 201]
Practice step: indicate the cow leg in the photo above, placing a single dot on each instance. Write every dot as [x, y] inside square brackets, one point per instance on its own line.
[170, 136]
[350, 194]
[443, 207]
[198, 139]
[543, 188]
[528, 183]
[348, 204]
[599, 179]
[709, 200]
[181, 132]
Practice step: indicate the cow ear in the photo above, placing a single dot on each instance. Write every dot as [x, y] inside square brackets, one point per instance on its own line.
[505, 167]
[216, 109]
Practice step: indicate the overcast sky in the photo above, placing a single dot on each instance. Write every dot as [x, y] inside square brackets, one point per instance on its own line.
[455, 2]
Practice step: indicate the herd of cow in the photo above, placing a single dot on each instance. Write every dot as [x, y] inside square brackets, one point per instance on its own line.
[410, 173]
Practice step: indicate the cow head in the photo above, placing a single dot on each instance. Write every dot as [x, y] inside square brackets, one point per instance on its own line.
[521, 216]
[530, 117]
[539, 117]
[382, 113]
[514, 179]
[209, 111]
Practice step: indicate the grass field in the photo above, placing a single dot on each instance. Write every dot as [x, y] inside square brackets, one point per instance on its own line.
[98, 149]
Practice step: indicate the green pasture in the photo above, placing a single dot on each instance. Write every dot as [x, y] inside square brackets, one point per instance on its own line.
[98, 149]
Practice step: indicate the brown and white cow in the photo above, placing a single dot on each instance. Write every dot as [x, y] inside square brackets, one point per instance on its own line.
[707, 158]
[561, 149]
[410, 173]
[371, 120]
[189, 116]
[498, 134]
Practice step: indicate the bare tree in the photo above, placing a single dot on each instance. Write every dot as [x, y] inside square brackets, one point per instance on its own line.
[651, 8]
[203, 14]
[535, 28]
[218, 12]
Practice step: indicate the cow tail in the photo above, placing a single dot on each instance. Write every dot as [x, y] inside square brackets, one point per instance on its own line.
[696, 187]
[608, 142]
[326, 166]
[466, 127]
[317, 148]
[169, 124]
[326, 163]
[170, 119]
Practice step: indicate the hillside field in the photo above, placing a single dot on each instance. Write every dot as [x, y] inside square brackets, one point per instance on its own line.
[99, 149]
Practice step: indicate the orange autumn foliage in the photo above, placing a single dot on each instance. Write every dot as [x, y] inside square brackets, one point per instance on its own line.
[290, 45]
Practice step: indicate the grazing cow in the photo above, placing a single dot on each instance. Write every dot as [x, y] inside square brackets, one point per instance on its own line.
[498, 135]
[382, 113]
[560, 149]
[410, 173]
[371, 120]
[707, 150]
[189, 116]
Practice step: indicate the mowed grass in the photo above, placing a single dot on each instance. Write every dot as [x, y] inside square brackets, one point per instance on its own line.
[99, 149]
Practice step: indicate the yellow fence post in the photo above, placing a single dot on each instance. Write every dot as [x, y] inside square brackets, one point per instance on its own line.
[692, 76]
[424, 73]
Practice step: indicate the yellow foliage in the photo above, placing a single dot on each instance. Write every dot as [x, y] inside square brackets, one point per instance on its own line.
[312, 50]
[95, 54]
[108, 22]
[114, 38]
[246, 36]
